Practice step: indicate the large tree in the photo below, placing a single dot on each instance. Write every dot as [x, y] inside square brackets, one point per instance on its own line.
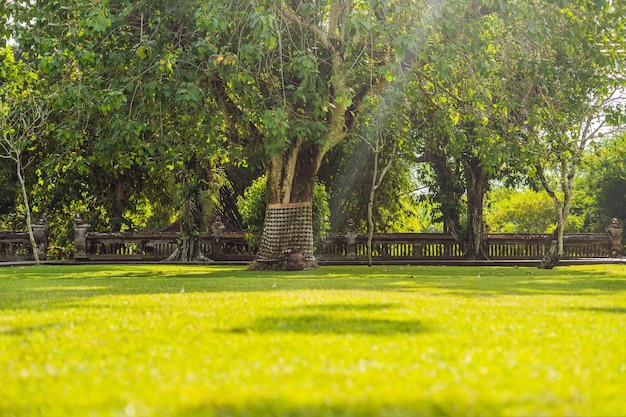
[293, 77]
[135, 120]
[509, 85]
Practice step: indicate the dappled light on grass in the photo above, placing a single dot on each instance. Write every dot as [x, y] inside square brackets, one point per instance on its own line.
[383, 341]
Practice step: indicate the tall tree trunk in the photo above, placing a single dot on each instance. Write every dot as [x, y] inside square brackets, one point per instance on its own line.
[197, 178]
[288, 225]
[448, 193]
[29, 224]
[377, 180]
[477, 183]
[118, 206]
[557, 249]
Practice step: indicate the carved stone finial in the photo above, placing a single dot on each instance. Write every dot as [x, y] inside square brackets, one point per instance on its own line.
[351, 232]
[351, 236]
[217, 228]
[81, 228]
[614, 230]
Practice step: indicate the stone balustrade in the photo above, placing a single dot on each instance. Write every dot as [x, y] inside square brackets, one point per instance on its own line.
[348, 247]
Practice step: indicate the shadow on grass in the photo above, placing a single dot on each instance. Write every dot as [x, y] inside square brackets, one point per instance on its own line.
[345, 307]
[608, 310]
[283, 408]
[50, 287]
[325, 324]
[21, 331]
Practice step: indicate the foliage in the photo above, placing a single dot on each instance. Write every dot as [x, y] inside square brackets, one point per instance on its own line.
[196, 340]
[567, 109]
[604, 183]
[321, 211]
[9, 191]
[415, 214]
[506, 86]
[24, 115]
[142, 90]
[526, 211]
[253, 203]
[132, 112]
[347, 173]
[460, 103]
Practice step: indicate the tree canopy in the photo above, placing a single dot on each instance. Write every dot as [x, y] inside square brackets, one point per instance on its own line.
[155, 104]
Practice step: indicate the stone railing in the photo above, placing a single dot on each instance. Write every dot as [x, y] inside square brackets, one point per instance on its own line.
[157, 246]
[337, 248]
[439, 246]
[16, 246]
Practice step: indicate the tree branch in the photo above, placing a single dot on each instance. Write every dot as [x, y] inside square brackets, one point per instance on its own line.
[321, 36]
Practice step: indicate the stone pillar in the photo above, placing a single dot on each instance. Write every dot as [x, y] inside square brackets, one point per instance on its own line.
[351, 240]
[81, 228]
[417, 250]
[40, 232]
[614, 230]
[217, 230]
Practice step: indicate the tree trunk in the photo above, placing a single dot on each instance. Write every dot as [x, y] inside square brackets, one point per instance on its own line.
[197, 209]
[551, 258]
[288, 225]
[448, 193]
[29, 225]
[370, 224]
[118, 206]
[557, 249]
[377, 180]
[477, 183]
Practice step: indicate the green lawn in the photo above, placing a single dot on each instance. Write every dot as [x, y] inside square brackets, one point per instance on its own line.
[337, 341]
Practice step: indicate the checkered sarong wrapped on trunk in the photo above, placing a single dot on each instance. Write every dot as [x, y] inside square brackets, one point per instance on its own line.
[288, 227]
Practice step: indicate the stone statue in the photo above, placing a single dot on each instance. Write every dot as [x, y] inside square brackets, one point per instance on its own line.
[614, 230]
[217, 228]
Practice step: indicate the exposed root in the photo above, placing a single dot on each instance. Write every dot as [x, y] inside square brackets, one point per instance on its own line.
[178, 256]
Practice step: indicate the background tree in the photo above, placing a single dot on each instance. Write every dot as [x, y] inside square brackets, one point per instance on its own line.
[461, 111]
[23, 119]
[384, 131]
[520, 211]
[498, 82]
[9, 192]
[347, 172]
[604, 183]
[574, 74]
